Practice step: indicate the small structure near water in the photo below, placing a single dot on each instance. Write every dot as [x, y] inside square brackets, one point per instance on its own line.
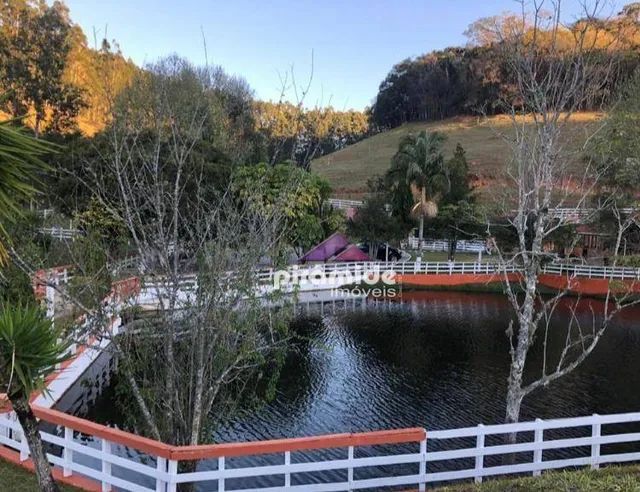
[335, 248]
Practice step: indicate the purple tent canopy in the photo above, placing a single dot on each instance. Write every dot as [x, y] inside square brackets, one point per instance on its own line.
[326, 249]
[352, 253]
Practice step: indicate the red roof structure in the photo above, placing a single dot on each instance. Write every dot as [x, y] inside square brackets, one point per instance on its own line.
[351, 253]
[335, 248]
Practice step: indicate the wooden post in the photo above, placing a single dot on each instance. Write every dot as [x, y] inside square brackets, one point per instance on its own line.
[67, 453]
[596, 432]
[479, 457]
[106, 465]
[538, 438]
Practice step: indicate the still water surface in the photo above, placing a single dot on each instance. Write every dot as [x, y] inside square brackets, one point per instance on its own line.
[438, 363]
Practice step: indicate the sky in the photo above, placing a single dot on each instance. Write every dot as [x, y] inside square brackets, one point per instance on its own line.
[353, 43]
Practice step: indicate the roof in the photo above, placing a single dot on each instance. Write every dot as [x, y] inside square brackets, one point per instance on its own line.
[352, 253]
[327, 249]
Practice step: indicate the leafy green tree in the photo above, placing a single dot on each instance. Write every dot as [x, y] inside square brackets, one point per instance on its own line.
[29, 352]
[419, 162]
[616, 151]
[35, 41]
[300, 194]
[456, 217]
[374, 225]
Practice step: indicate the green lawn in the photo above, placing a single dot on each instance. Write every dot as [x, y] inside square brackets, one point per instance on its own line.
[444, 256]
[16, 479]
[487, 151]
[611, 479]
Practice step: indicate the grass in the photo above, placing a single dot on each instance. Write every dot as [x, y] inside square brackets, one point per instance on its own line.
[429, 256]
[610, 479]
[17, 479]
[488, 153]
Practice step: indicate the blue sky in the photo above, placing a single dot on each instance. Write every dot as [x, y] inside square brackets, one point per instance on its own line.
[355, 42]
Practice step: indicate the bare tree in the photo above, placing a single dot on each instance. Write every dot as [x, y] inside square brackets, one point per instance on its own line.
[212, 340]
[555, 70]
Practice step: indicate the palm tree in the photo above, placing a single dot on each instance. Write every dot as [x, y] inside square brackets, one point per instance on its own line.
[419, 161]
[29, 351]
[20, 165]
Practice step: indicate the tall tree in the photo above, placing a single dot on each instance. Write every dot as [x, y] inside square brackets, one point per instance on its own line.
[35, 41]
[456, 216]
[419, 162]
[553, 81]
[218, 343]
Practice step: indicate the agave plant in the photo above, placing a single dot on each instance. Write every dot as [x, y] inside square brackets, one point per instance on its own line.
[30, 350]
[20, 165]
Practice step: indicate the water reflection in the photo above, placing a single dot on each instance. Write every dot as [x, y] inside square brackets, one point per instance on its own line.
[440, 360]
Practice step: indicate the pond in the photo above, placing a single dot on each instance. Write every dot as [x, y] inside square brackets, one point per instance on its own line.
[438, 362]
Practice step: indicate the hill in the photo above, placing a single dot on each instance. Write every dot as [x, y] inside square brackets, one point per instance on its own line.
[483, 139]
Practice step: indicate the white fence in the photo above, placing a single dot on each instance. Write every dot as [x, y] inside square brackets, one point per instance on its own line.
[60, 232]
[462, 245]
[405, 457]
[344, 204]
[589, 271]
[330, 275]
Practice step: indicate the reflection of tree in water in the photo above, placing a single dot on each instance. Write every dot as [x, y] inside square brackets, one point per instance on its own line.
[298, 380]
[433, 332]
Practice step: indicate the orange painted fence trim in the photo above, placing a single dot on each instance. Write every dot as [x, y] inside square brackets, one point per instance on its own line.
[190, 453]
[186, 453]
[578, 285]
[113, 435]
[444, 279]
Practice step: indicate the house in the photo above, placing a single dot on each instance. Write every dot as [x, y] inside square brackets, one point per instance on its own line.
[336, 248]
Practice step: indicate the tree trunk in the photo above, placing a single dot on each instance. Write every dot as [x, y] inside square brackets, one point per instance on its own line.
[29, 425]
[453, 246]
[187, 467]
[423, 200]
[514, 402]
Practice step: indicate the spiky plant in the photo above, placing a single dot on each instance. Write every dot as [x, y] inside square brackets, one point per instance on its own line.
[20, 166]
[30, 350]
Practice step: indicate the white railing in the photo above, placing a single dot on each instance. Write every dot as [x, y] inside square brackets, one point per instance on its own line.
[371, 460]
[535, 450]
[327, 275]
[60, 232]
[591, 271]
[462, 245]
[344, 204]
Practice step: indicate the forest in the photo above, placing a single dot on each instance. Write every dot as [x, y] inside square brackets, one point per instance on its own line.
[475, 79]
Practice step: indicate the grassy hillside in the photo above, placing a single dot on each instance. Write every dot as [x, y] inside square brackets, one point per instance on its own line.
[348, 169]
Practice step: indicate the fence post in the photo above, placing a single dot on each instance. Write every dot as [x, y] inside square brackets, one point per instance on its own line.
[287, 475]
[106, 465]
[173, 475]
[67, 453]
[422, 486]
[24, 447]
[350, 458]
[161, 466]
[596, 432]
[479, 456]
[220, 471]
[538, 438]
